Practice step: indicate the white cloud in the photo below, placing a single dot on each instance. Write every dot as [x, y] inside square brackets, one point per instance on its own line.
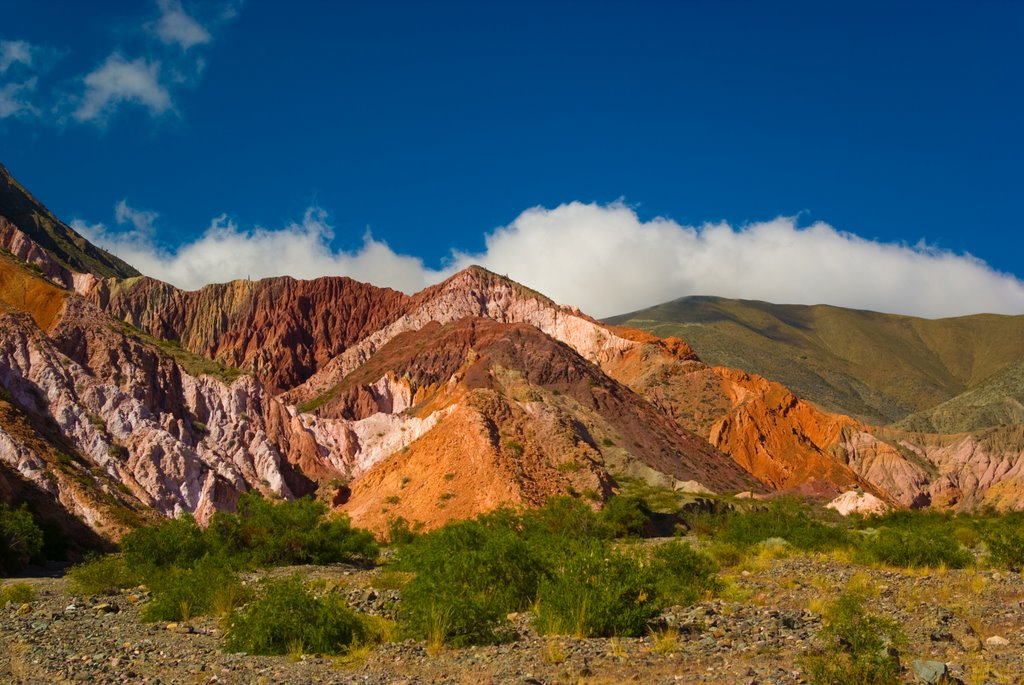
[177, 27]
[119, 81]
[225, 252]
[15, 52]
[605, 260]
[14, 99]
[170, 62]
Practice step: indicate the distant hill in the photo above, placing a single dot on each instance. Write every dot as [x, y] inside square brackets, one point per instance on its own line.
[997, 401]
[881, 368]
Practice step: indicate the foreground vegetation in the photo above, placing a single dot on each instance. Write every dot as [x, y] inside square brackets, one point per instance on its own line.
[576, 571]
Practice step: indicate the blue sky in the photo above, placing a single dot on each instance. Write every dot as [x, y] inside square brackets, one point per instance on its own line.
[204, 141]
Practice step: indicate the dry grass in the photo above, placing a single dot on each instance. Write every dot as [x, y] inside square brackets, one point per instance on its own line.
[440, 627]
[664, 641]
[391, 580]
[354, 656]
[552, 652]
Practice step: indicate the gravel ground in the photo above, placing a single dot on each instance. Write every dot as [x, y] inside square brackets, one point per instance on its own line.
[755, 633]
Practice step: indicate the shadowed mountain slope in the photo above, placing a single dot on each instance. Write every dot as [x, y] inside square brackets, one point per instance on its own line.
[63, 245]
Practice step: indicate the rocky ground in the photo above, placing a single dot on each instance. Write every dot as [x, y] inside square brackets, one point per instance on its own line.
[755, 632]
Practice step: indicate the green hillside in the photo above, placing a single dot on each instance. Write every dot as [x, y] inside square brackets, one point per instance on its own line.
[997, 401]
[63, 244]
[878, 367]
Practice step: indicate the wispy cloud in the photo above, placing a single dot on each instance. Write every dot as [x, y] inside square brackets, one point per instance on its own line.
[142, 222]
[150, 76]
[15, 99]
[16, 95]
[15, 52]
[177, 27]
[118, 81]
[603, 259]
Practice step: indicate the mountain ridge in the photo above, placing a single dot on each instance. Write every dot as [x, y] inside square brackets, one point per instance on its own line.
[442, 404]
[877, 367]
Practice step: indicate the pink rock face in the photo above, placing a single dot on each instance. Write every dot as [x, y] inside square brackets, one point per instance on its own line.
[22, 247]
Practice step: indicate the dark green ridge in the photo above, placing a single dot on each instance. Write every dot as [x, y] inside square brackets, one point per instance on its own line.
[61, 242]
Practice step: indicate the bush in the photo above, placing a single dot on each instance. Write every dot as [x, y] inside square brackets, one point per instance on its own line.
[469, 575]
[681, 574]
[597, 592]
[17, 593]
[176, 542]
[264, 533]
[288, 619]
[860, 648]
[785, 518]
[401, 532]
[913, 548]
[564, 517]
[1005, 541]
[21, 539]
[624, 516]
[102, 575]
[182, 593]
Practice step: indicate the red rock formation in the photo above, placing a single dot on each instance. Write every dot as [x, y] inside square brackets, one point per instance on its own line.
[281, 328]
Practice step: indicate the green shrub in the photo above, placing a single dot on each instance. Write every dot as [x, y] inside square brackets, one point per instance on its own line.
[265, 533]
[913, 548]
[1004, 538]
[785, 518]
[857, 646]
[624, 516]
[21, 539]
[102, 575]
[181, 593]
[176, 542]
[681, 574]
[17, 593]
[287, 619]
[725, 554]
[401, 532]
[597, 592]
[564, 517]
[468, 576]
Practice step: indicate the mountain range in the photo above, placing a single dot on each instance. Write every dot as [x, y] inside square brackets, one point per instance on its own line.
[124, 398]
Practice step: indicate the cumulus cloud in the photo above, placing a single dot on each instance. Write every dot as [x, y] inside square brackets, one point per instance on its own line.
[177, 27]
[601, 258]
[118, 81]
[607, 261]
[225, 252]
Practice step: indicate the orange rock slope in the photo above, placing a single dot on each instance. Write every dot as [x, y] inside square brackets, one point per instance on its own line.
[524, 418]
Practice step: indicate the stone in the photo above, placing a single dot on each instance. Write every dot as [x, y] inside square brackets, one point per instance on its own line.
[997, 641]
[930, 672]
